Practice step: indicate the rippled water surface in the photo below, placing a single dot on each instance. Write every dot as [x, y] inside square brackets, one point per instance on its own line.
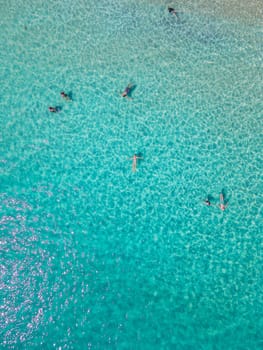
[93, 255]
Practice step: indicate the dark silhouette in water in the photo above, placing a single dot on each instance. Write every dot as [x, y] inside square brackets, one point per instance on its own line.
[208, 200]
[127, 91]
[172, 11]
[67, 97]
[54, 109]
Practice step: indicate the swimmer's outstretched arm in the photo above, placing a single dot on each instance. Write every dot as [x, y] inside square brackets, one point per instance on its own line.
[135, 157]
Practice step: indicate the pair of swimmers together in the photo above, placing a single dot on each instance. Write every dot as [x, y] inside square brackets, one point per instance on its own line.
[58, 109]
[222, 205]
[125, 93]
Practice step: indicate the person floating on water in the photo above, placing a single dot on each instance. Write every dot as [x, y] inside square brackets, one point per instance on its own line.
[134, 161]
[65, 96]
[222, 205]
[127, 91]
[172, 11]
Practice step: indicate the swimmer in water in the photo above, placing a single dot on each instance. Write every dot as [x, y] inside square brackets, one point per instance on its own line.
[127, 91]
[53, 109]
[207, 202]
[65, 96]
[172, 11]
[134, 162]
[222, 205]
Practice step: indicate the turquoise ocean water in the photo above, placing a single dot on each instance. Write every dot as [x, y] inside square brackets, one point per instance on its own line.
[94, 256]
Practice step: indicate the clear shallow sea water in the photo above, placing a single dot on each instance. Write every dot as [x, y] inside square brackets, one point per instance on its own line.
[94, 256]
